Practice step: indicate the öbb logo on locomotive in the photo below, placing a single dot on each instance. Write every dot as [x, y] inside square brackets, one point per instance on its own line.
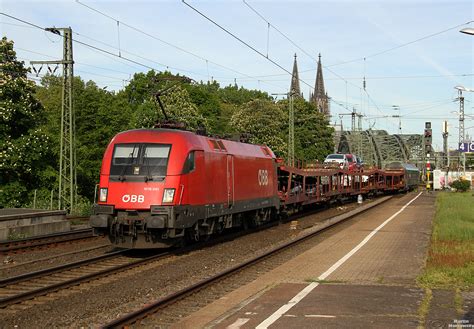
[133, 198]
[262, 177]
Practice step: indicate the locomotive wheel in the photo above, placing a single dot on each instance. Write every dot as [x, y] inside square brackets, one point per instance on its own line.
[190, 235]
[195, 235]
[245, 223]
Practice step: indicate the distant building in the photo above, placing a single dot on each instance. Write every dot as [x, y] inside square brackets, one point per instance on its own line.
[320, 98]
[295, 81]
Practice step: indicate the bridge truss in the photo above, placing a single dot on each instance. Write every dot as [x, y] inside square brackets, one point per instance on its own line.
[377, 147]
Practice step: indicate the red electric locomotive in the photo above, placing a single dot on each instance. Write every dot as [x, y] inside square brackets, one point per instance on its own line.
[159, 187]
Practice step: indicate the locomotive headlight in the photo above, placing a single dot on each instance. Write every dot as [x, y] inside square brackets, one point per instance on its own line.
[103, 195]
[168, 195]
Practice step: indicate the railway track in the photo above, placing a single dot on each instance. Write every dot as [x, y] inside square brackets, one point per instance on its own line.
[25, 287]
[45, 241]
[161, 305]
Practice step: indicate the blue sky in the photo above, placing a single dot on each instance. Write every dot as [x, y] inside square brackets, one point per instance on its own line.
[419, 78]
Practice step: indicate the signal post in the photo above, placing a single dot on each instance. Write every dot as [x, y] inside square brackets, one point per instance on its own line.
[427, 140]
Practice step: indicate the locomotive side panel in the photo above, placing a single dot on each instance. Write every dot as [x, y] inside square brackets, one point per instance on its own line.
[259, 177]
[193, 181]
[215, 185]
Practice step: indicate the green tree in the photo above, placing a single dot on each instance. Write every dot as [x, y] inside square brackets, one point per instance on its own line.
[205, 97]
[313, 136]
[264, 121]
[178, 107]
[99, 116]
[232, 94]
[25, 148]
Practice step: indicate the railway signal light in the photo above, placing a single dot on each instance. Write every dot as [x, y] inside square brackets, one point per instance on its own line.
[428, 138]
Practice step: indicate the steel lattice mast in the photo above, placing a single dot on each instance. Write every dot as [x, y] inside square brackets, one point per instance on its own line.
[67, 153]
[291, 131]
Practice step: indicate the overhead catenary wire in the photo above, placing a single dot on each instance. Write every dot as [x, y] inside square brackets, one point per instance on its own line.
[107, 52]
[242, 41]
[276, 29]
[374, 78]
[206, 60]
[38, 78]
[294, 43]
[305, 52]
[75, 62]
[81, 42]
[400, 46]
[38, 74]
[137, 55]
[364, 79]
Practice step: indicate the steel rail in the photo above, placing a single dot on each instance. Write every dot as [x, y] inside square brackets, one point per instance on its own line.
[44, 240]
[56, 269]
[72, 282]
[151, 308]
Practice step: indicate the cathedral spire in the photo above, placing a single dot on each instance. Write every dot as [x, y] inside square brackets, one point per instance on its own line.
[319, 85]
[320, 97]
[295, 80]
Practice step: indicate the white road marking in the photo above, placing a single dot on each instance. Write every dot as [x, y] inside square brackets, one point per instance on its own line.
[303, 293]
[238, 323]
[319, 316]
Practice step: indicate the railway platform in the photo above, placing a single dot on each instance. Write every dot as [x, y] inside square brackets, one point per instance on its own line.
[31, 222]
[362, 276]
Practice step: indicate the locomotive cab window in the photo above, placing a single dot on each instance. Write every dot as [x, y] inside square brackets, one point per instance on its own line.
[125, 154]
[139, 161]
[155, 159]
[189, 164]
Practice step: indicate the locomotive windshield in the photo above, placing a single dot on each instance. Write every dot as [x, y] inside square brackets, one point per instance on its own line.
[139, 161]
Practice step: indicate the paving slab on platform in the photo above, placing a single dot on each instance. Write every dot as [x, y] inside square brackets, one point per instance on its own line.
[334, 306]
[376, 286]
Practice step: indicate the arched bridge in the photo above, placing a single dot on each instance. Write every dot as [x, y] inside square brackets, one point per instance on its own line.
[377, 147]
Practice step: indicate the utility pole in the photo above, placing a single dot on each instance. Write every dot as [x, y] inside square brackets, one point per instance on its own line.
[67, 154]
[461, 122]
[396, 107]
[446, 152]
[291, 131]
[291, 127]
[428, 152]
[353, 117]
[461, 116]
[359, 121]
[461, 127]
[445, 144]
[358, 136]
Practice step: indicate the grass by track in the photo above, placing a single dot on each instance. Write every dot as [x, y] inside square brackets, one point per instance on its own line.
[451, 255]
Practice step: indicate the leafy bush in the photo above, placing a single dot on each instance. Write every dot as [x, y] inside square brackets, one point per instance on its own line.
[461, 185]
[83, 207]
